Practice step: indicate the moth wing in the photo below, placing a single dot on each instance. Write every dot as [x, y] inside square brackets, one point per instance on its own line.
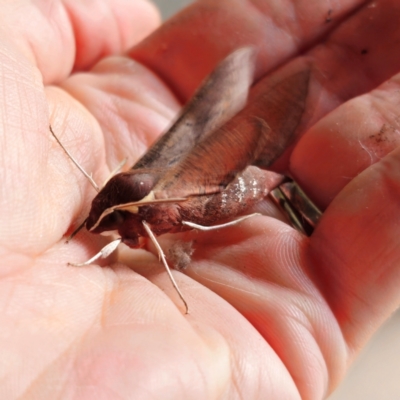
[222, 94]
[285, 105]
[257, 136]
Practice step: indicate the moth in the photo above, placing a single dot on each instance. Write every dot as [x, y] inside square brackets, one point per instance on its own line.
[207, 168]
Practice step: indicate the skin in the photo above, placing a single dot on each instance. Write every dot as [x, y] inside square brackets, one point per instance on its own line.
[272, 314]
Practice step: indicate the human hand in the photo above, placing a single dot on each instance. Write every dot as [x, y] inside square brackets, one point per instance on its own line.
[285, 314]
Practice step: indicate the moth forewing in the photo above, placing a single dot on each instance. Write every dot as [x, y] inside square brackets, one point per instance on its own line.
[221, 96]
[283, 108]
[257, 135]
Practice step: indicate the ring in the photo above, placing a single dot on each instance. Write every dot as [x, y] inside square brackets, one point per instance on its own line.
[302, 213]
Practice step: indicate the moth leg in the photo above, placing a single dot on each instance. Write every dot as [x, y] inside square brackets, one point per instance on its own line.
[213, 227]
[164, 261]
[103, 253]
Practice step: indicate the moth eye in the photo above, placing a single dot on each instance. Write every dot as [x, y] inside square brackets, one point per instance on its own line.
[142, 184]
[126, 188]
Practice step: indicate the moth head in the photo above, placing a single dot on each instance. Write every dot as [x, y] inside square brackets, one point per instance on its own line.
[126, 187]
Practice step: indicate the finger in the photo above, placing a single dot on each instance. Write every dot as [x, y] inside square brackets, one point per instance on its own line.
[59, 36]
[347, 141]
[109, 27]
[350, 158]
[348, 163]
[361, 132]
[217, 28]
[260, 268]
[355, 250]
[336, 86]
[333, 80]
[131, 104]
[117, 328]
[50, 44]
[208, 313]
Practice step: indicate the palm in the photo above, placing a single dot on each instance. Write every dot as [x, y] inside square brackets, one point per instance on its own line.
[283, 310]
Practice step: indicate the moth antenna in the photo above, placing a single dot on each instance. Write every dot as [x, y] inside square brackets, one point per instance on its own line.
[213, 227]
[164, 261]
[93, 183]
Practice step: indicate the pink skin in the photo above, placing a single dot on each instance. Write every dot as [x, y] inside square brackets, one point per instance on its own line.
[273, 314]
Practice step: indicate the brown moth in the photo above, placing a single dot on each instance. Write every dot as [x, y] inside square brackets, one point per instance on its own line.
[204, 169]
